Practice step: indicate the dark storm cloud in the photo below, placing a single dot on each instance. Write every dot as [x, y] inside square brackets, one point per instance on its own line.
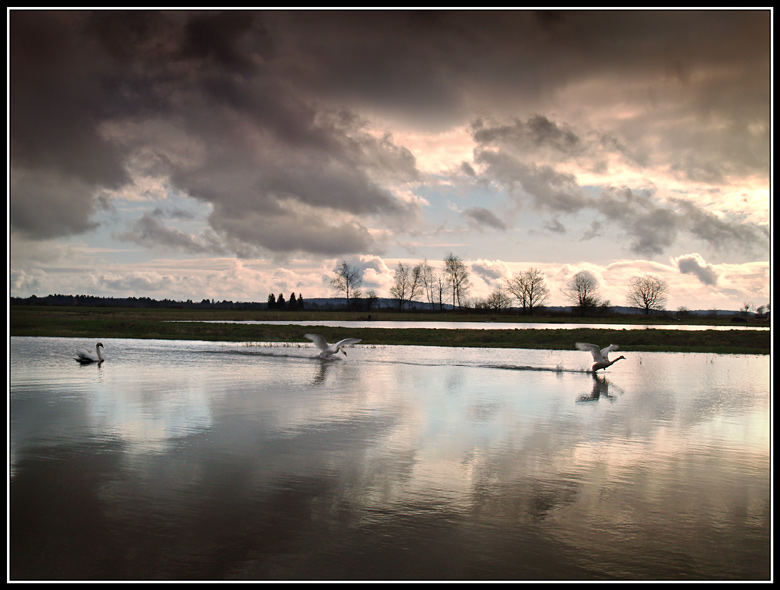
[693, 264]
[174, 213]
[47, 204]
[728, 233]
[487, 272]
[267, 100]
[555, 226]
[536, 133]
[260, 139]
[650, 226]
[593, 231]
[547, 188]
[292, 232]
[482, 217]
[148, 230]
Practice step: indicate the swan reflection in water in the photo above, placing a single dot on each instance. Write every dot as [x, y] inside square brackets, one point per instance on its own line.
[600, 389]
[321, 372]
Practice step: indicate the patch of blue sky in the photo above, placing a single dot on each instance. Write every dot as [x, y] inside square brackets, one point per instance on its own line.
[529, 233]
[447, 201]
[178, 212]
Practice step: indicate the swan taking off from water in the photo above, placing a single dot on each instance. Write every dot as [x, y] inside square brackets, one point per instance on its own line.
[326, 349]
[85, 357]
[600, 356]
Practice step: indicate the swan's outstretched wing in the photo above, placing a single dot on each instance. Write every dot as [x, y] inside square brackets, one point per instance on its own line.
[606, 350]
[347, 342]
[591, 348]
[318, 340]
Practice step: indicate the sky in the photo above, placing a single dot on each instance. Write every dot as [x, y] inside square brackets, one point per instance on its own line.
[232, 154]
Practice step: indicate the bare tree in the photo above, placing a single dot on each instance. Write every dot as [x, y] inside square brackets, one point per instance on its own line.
[416, 287]
[440, 284]
[407, 284]
[457, 278]
[429, 279]
[400, 287]
[498, 300]
[347, 280]
[536, 289]
[647, 292]
[516, 286]
[529, 289]
[583, 290]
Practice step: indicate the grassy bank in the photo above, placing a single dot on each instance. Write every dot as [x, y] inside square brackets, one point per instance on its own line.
[113, 322]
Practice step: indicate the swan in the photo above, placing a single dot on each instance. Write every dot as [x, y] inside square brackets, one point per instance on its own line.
[85, 357]
[600, 356]
[326, 349]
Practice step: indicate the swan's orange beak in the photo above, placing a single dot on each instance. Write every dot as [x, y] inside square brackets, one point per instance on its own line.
[344, 351]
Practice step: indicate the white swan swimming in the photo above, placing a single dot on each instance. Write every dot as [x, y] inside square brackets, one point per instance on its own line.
[85, 357]
[600, 356]
[326, 349]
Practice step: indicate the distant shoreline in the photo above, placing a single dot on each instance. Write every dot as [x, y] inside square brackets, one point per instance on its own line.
[145, 323]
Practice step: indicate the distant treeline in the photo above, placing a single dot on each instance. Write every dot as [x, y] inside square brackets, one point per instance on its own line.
[274, 302]
[297, 303]
[292, 304]
[95, 301]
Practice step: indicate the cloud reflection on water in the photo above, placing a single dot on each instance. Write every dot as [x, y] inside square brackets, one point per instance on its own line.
[397, 461]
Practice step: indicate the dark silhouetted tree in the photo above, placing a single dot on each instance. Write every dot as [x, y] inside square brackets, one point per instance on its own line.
[429, 278]
[407, 283]
[529, 289]
[498, 300]
[647, 292]
[457, 277]
[583, 291]
[347, 280]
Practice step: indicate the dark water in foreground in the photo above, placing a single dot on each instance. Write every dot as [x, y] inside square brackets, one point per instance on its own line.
[216, 461]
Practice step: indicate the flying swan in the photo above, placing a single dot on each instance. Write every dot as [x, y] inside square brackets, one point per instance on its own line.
[326, 349]
[600, 356]
[85, 357]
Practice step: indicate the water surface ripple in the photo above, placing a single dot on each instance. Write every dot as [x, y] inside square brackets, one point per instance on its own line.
[185, 460]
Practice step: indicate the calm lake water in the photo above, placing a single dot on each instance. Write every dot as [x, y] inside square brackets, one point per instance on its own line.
[222, 461]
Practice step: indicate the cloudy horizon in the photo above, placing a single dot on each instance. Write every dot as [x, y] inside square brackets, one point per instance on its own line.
[232, 154]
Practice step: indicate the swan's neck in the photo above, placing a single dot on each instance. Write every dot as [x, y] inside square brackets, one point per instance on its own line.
[100, 356]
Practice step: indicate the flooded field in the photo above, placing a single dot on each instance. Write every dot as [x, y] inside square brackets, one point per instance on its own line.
[477, 325]
[183, 460]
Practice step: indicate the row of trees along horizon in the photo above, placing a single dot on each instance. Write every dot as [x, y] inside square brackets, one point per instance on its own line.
[445, 289]
[527, 288]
